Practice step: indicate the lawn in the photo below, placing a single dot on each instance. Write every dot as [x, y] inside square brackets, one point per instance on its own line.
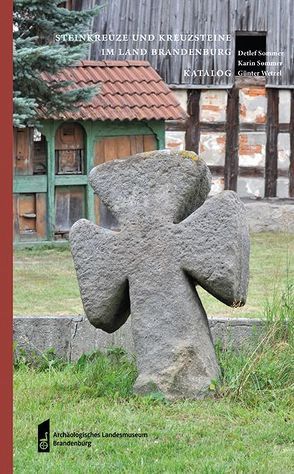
[246, 427]
[45, 281]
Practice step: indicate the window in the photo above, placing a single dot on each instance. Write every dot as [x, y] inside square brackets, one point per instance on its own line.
[39, 153]
[250, 54]
[69, 149]
[69, 161]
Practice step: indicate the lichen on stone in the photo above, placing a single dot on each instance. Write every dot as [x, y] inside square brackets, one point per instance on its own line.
[189, 154]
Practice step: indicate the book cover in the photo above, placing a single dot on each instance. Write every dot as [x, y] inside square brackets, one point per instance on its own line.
[134, 350]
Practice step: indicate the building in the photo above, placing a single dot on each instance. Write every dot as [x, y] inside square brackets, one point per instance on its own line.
[51, 189]
[241, 116]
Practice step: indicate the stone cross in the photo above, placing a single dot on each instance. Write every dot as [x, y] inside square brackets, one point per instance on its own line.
[170, 239]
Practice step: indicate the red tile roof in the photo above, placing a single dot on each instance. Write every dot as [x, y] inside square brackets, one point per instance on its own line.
[130, 90]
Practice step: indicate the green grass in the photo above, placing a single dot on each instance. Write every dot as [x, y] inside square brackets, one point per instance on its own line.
[247, 427]
[45, 281]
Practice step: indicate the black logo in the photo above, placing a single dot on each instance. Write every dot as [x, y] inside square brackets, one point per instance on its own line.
[44, 437]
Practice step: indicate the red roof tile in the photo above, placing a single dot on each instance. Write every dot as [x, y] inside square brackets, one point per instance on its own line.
[130, 90]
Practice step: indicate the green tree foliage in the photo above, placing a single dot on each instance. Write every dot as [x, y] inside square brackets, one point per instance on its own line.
[36, 24]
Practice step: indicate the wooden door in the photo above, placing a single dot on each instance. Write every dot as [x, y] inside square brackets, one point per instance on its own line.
[22, 151]
[113, 148]
[69, 207]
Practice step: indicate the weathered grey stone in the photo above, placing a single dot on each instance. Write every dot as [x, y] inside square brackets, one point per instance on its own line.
[85, 335]
[236, 333]
[123, 337]
[169, 240]
[35, 335]
[271, 215]
[229, 332]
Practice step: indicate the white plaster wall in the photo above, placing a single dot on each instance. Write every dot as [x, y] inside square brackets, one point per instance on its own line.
[213, 105]
[284, 151]
[283, 187]
[284, 106]
[175, 140]
[252, 105]
[252, 149]
[212, 148]
[182, 97]
[250, 187]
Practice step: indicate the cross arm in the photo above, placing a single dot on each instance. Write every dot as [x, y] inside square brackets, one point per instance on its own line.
[215, 248]
[100, 271]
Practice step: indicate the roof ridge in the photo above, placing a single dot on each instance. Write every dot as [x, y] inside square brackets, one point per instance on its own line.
[135, 93]
[111, 63]
[119, 81]
[113, 107]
